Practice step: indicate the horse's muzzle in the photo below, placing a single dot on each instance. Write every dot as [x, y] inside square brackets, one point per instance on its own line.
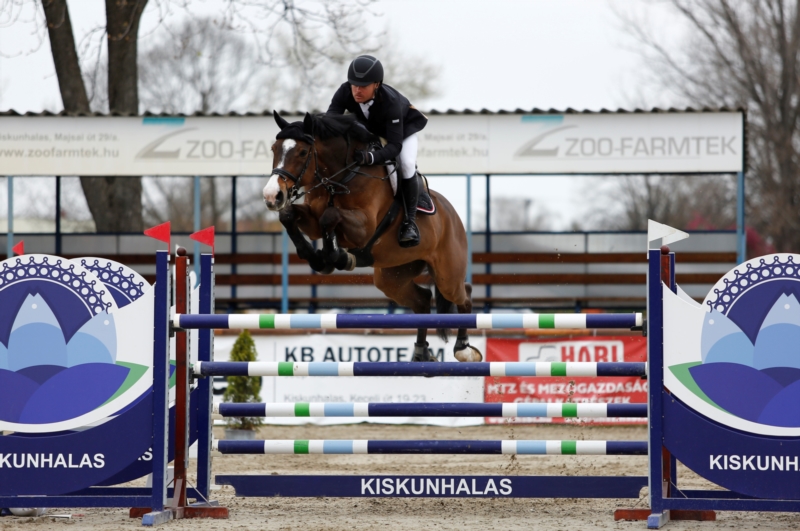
[278, 204]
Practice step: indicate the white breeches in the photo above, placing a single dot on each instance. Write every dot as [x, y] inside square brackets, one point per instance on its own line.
[408, 157]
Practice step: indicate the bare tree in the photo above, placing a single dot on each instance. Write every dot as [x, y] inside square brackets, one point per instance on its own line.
[206, 67]
[514, 214]
[744, 53]
[306, 80]
[199, 67]
[685, 202]
[116, 203]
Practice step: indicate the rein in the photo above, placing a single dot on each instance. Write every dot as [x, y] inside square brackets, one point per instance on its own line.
[333, 187]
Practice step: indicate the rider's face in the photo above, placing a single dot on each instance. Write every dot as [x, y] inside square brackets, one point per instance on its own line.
[364, 94]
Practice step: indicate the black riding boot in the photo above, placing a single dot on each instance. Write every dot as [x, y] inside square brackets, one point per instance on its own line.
[409, 233]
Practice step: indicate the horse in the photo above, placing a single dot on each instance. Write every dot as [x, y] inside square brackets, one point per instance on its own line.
[355, 213]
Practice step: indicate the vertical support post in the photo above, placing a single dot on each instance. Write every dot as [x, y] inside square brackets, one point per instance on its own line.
[655, 374]
[469, 228]
[197, 227]
[162, 303]
[10, 228]
[672, 473]
[234, 234]
[205, 352]
[181, 385]
[284, 271]
[58, 215]
[488, 244]
[741, 236]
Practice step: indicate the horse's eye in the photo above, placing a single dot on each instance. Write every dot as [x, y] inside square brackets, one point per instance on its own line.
[303, 152]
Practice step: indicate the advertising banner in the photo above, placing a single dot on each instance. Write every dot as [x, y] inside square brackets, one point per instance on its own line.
[347, 348]
[616, 390]
[457, 144]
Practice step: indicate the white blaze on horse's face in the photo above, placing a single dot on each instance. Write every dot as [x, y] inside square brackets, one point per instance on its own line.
[272, 190]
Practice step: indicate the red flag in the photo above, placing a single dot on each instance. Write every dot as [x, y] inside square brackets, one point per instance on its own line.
[205, 236]
[19, 249]
[160, 232]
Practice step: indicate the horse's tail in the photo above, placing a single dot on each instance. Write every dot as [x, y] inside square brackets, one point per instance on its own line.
[443, 306]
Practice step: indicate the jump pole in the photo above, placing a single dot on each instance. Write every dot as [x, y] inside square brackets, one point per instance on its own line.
[488, 321]
[513, 447]
[428, 369]
[430, 409]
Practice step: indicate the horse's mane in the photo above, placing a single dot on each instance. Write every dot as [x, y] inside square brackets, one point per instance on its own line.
[328, 126]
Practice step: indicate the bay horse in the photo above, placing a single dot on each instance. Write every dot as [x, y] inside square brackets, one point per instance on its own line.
[353, 210]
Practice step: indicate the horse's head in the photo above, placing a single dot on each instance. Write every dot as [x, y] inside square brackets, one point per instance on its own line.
[293, 161]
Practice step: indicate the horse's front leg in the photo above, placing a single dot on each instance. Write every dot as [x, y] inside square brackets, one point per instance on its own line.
[332, 218]
[297, 218]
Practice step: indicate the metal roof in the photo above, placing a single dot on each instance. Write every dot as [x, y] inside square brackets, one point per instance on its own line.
[431, 112]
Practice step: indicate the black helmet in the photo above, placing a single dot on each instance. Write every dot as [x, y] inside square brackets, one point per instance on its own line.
[365, 70]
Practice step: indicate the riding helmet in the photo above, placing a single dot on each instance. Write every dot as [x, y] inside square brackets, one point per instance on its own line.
[365, 70]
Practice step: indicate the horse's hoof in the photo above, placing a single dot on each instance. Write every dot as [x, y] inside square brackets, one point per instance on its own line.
[351, 262]
[468, 353]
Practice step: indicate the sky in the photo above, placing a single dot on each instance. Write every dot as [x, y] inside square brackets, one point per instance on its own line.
[493, 54]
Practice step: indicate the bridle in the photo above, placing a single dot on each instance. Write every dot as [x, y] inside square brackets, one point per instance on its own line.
[333, 187]
[289, 176]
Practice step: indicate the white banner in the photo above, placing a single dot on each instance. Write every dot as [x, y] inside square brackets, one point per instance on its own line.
[450, 144]
[345, 348]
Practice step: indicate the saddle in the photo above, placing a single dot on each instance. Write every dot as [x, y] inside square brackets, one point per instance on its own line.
[425, 205]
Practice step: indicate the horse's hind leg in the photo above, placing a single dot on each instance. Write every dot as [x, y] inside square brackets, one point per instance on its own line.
[398, 284]
[462, 350]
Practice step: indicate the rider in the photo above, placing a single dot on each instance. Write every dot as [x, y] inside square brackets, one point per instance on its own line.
[388, 114]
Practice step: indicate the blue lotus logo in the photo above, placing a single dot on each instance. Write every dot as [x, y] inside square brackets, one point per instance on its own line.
[45, 378]
[759, 380]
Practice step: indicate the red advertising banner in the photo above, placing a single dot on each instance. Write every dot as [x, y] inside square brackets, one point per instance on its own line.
[610, 390]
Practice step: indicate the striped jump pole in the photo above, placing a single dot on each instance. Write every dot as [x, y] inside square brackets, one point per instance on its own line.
[432, 447]
[407, 368]
[485, 321]
[442, 409]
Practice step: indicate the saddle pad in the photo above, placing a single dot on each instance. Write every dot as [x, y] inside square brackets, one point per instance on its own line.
[425, 205]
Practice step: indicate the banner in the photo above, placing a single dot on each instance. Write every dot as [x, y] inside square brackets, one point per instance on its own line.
[616, 390]
[355, 347]
[681, 142]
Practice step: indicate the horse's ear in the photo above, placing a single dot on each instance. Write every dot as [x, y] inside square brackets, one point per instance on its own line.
[280, 121]
[308, 124]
